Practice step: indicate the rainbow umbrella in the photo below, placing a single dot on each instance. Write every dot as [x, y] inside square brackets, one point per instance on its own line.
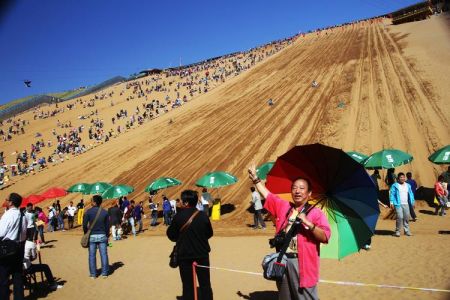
[341, 188]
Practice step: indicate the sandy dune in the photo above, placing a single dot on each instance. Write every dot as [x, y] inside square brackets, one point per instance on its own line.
[380, 87]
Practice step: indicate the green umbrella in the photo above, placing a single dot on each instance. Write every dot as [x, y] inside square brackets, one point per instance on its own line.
[264, 169]
[358, 157]
[216, 180]
[98, 188]
[79, 188]
[117, 191]
[386, 159]
[162, 183]
[442, 156]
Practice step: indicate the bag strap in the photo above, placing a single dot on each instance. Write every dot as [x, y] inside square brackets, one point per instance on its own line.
[188, 223]
[19, 230]
[95, 221]
[291, 232]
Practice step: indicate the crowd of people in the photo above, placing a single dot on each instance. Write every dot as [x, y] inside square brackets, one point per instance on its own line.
[125, 218]
[175, 86]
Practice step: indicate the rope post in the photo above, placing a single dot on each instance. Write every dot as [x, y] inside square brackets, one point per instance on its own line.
[194, 278]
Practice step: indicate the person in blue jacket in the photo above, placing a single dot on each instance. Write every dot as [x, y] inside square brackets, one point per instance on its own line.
[399, 196]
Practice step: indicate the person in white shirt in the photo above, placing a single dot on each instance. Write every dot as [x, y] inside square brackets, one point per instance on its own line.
[257, 205]
[52, 221]
[31, 218]
[71, 210]
[399, 195]
[206, 200]
[173, 204]
[10, 229]
[30, 254]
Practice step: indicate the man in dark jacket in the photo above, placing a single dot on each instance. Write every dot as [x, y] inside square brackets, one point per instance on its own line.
[115, 219]
[99, 236]
[192, 245]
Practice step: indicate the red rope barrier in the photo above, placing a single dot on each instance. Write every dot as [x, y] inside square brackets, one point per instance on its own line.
[194, 278]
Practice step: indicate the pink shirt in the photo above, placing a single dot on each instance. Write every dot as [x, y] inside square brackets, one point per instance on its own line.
[308, 248]
[439, 189]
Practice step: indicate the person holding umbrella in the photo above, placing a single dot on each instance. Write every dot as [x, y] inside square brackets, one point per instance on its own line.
[300, 280]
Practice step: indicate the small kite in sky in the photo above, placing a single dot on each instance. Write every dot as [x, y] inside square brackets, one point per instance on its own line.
[27, 83]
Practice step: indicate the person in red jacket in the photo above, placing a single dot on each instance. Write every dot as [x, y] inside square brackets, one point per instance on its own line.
[441, 195]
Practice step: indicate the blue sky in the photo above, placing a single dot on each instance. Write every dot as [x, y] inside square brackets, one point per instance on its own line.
[60, 45]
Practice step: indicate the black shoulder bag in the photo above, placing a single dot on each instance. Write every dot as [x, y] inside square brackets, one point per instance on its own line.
[9, 248]
[173, 263]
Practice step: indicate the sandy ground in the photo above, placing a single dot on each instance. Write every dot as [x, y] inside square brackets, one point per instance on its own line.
[141, 265]
[395, 94]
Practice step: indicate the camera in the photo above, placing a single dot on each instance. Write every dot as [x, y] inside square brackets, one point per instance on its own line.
[278, 241]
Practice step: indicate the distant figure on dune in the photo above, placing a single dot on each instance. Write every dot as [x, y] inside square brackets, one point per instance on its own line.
[270, 102]
[314, 84]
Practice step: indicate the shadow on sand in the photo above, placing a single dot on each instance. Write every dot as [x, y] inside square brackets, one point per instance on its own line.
[113, 267]
[259, 295]
[384, 232]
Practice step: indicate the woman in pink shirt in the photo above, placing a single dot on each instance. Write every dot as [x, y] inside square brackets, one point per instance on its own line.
[302, 267]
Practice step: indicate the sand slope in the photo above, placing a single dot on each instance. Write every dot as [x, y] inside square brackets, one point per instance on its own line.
[387, 103]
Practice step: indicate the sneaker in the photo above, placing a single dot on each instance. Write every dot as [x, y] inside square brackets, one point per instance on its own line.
[397, 234]
[263, 228]
[366, 247]
[104, 276]
[408, 233]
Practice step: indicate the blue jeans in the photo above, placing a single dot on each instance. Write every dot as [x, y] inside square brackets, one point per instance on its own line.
[139, 222]
[167, 219]
[154, 218]
[100, 241]
[133, 229]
